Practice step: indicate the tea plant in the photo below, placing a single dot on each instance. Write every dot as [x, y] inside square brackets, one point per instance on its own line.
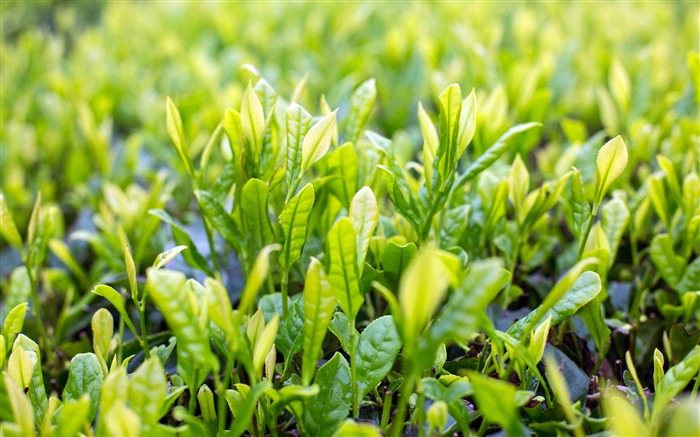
[293, 265]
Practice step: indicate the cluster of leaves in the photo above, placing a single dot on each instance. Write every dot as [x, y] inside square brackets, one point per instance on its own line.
[304, 274]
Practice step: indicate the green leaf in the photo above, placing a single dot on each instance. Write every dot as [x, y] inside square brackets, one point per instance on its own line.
[496, 400]
[177, 135]
[192, 256]
[343, 164]
[319, 301]
[340, 327]
[256, 277]
[85, 377]
[593, 316]
[256, 217]
[563, 301]
[164, 258]
[37, 390]
[610, 163]
[294, 219]
[343, 275]
[675, 380]
[580, 209]
[450, 101]
[176, 301]
[324, 413]
[492, 154]
[518, 186]
[423, 286]
[21, 408]
[20, 366]
[658, 197]
[317, 141]
[121, 421]
[14, 322]
[113, 297]
[669, 264]
[361, 104]
[691, 277]
[147, 392]
[115, 389]
[221, 221]
[378, 347]
[460, 316]
[395, 259]
[252, 122]
[467, 122]
[8, 229]
[615, 217]
[364, 214]
[244, 415]
[298, 123]
[102, 325]
[290, 336]
[74, 415]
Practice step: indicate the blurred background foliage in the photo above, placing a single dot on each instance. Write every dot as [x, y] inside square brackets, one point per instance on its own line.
[84, 84]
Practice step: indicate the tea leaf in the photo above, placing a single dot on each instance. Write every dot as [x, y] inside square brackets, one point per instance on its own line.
[20, 366]
[567, 296]
[496, 399]
[21, 408]
[675, 380]
[361, 104]
[298, 123]
[294, 219]
[377, 349]
[256, 277]
[343, 163]
[147, 391]
[252, 121]
[319, 301]
[364, 215]
[8, 229]
[343, 274]
[256, 216]
[176, 302]
[423, 286]
[102, 325]
[324, 413]
[177, 135]
[73, 416]
[85, 377]
[221, 221]
[492, 154]
[610, 163]
[467, 122]
[245, 412]
[317, 141]
[669, 264]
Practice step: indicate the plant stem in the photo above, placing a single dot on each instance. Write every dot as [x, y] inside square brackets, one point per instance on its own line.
[144, 333]
[120, 346]
[285, 291]
[221, 400]
[353, 371]
[584, 238]
[397, 424]
[386, 410]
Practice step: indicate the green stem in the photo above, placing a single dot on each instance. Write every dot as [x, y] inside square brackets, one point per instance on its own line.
[584, 238]
[144, 333]
[353, 371]
[120, 346]
[386, 410]
[221, 399]
[212, 251]
[285, 292]
[406, 392]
